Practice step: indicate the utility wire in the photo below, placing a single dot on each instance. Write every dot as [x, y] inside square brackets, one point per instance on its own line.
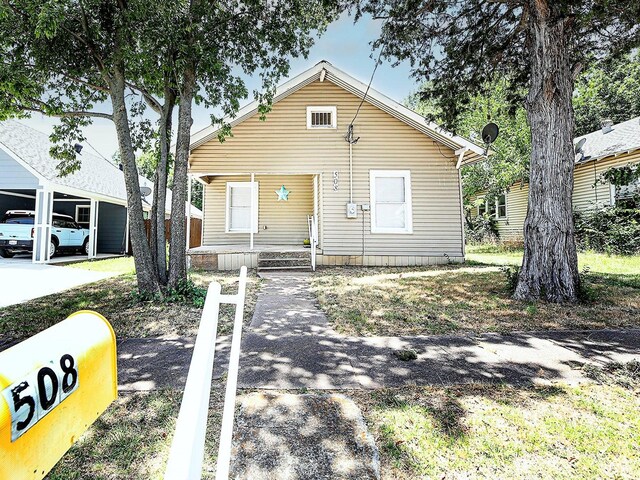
[349, 136]
[93, 148]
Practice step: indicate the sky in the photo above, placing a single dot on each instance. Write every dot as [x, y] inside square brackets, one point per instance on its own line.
[345, 45]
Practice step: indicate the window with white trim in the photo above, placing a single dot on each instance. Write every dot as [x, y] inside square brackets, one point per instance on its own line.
[321, 117]
[496, 208]
[390, 201]
[83, 214]
[242, 207]
[501, 206]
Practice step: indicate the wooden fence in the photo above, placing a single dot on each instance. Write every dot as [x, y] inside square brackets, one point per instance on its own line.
[195, 239]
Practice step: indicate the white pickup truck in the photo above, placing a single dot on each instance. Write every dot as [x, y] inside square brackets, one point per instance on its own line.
[17, 230]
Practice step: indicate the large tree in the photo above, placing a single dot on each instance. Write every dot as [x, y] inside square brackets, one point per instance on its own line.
[78, 60]
[539, 45]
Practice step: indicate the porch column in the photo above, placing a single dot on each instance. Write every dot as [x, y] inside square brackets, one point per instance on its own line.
[253, 210]
[42, 225]
[189, 211]
[93, 229]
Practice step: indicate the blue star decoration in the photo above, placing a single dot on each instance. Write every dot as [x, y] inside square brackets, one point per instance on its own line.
[283, 193]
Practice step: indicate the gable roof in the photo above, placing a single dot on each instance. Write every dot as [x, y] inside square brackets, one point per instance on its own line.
[327, 72]
[95, 176]
[623, 138]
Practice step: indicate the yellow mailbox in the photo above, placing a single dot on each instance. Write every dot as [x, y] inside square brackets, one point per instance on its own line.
[53, 386]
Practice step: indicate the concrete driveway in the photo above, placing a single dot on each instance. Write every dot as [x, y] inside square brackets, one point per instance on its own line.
[21, 280]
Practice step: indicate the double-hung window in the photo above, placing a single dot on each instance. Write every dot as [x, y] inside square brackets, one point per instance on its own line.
[390, 201]
[242, 207]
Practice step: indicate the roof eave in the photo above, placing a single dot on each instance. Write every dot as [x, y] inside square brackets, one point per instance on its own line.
[358, 89]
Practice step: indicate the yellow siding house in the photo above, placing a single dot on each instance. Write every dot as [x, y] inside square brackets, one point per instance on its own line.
[612, 146]
[386, 194]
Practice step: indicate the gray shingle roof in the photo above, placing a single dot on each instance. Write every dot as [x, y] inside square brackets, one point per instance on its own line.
[622, 138]
[96, 175]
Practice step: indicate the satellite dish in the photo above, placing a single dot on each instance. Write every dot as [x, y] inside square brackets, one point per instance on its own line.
[490, 133]
[145, 191]
[579, 145]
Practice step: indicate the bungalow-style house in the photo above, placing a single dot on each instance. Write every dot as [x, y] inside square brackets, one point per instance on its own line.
[95, 196]
[611, 146]
[358, 176]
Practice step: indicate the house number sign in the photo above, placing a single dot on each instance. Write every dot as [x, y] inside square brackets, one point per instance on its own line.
[53, 386]
[335, 180]
[34, 396]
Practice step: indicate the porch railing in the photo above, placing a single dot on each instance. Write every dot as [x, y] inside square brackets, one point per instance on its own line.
[187, 448]
[312, 221]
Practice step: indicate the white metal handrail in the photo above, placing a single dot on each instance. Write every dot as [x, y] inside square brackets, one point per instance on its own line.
[312, 221]
[187, 447]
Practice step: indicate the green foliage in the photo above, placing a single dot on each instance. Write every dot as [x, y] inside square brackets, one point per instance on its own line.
[480, 228]
[612, 230]
[509, 162]
[621, 176]
[607, 90]
[511, 275]
[186, 292]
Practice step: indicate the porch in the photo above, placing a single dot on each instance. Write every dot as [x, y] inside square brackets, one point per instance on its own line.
[261, 257]
[255, 219]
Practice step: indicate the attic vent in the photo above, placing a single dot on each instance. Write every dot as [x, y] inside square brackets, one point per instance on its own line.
[607, 126]
[321, 117]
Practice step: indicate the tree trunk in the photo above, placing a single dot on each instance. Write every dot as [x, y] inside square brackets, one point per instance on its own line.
[550, 264]
[160, 194]
[146, 274]
[178, 243]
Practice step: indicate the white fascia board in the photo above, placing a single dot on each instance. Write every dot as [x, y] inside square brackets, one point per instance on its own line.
[85, 194]
[358, 88]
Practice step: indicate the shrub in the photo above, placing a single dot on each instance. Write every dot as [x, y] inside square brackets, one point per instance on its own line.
[613, 230]
[481, 229]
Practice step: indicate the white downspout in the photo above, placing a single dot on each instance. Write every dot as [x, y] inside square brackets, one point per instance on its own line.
[253, 207]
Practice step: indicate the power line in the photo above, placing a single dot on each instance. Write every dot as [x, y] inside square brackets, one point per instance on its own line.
[349, 136]
[93, 148]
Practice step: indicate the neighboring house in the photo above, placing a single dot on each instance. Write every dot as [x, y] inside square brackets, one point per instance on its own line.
[611, 146]
[390, 197]
[95, 195]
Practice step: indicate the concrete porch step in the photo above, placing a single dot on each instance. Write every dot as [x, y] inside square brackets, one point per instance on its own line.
[298, 260]
[286, 267]
[299, 437]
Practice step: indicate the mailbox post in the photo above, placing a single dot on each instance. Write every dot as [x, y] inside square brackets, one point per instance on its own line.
[53, 386]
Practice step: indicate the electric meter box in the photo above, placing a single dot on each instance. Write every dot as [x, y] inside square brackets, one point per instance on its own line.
[53, 386]
[352, 210]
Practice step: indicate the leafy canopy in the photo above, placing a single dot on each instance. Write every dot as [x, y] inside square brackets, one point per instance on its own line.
[458, 47]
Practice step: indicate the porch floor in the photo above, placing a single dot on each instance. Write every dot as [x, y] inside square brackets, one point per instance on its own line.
[207, 249]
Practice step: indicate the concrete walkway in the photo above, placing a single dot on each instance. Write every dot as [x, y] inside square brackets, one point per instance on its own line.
[21, 280]
[290, 344]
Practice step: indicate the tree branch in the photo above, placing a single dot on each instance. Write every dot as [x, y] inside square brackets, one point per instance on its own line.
[78, 113]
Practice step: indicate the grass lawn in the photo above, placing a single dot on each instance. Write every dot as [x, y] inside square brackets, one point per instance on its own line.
[114, 298]
[471, 298]
[469, 432]
[464, 432]
[595, 262]
[132, 439]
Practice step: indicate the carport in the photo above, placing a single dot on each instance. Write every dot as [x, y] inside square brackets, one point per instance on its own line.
[95, 195]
